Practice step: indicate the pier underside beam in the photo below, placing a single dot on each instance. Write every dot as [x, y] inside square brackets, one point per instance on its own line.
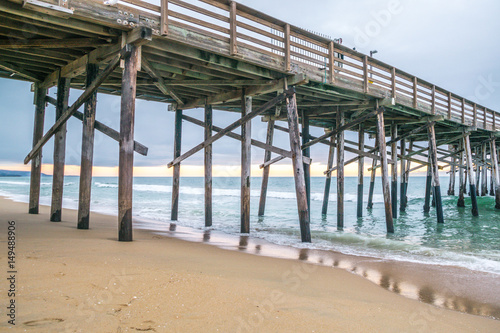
[36, 162]
[472, 178]
[87, 151]
[59, 152]
[298, 168]
[126, 164]
[267, 169]
[435, 174]
[208, 166]
[174, 213]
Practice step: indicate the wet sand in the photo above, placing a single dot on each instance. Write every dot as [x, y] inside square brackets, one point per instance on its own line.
[71, 280]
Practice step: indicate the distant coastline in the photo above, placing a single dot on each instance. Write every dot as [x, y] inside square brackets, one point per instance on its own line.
[10, 173]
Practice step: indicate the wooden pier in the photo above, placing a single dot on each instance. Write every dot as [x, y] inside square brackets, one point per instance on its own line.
[219, 54]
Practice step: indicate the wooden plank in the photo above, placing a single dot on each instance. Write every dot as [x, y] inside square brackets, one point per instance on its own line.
[340, 169]
[59, 152]
[246, 163]
[233, 126]
[328, 182]
[472, 178]
[306, 153]
[36, 164]
[208, 166]
[164, 18]
[177, 167]
[394, 171]
[267, 169]
[298, 167]
[435, 173]
[52, 43]
[361, 170]
[83, 97]
[233, 44]
[126, 164]
[20, 71]
[385, 171]
[87, 160]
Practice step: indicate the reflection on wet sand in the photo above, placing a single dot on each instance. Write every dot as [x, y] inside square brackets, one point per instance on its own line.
[399, 277]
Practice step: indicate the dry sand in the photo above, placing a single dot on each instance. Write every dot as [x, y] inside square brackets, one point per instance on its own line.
[71, 280]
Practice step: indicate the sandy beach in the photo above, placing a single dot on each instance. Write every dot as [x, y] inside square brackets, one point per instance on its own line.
[70, 280]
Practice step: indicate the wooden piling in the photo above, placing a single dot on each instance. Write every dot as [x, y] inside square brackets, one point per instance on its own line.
[267, 169]
[298, 167]
[59, 151]
[372, 179]
[407, 174]
[87, 158]
[435, 173]
[478, 171]
[453, 171]
[472, 180]
[307, 153]
[428, 189]
[394, 171]
[176, 177]
[402, 205]
[361, 170]
[340, 170]
[495, 173]
[126, 164]
[492, 182]
[246, 163]
[36, 163]
[328, 181]
[461, 172]
[208, 166]
[484, 170]
[385, 172]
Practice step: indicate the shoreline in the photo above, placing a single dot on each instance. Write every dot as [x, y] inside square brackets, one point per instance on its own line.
[160, 283]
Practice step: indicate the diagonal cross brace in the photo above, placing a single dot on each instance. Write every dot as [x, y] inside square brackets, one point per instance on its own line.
[233, 126]
[256, 143]
[79, 102]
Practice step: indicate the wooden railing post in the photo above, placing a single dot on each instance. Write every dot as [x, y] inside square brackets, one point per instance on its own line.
[288, 53]
[475, 115]
[365, 74]
[463, 111]
[393, 82]
[433, 108]
[233, 35]
[494, 120]
[415, 92]
[164, 18]
[449, 105]
[331, 65]
[485, 118]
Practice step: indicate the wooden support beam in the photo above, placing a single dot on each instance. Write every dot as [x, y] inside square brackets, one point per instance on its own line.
[478, 170]
[361, 169]
[484, 175]
[52, 43]
[83, 97]
[87, 151]
[233, 126]
[402, 177]
[208, 166]
[246, 163]
[159, 82]
[306, 153]
[394, 171]
[59, 152]
[461, 190]
[177, 167]
[428, 189]
[164, 17]
[372, 183]
[298, 167]
[328, 182]
[340, 170]
[385, 170]
[195, 83]
[267, 169]
[435, 173]
[472, 179]
[20, 71]
[453, 171]
[407, 174]
[495, 170]
[126, 163]
[36, 164]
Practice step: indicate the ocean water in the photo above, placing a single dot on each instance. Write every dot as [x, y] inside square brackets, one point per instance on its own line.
[463, 241]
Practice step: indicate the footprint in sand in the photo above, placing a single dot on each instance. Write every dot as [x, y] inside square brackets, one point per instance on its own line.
[43, 322]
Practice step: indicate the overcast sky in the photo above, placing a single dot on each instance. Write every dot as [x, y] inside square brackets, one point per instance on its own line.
[453, 44]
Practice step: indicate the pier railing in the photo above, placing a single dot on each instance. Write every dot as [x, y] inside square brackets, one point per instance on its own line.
[298, 50]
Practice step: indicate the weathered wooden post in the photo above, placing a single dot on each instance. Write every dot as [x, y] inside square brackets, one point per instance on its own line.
[495, 170]
[492, 182]
[428, 189]
[328, 181]
[407, 174]
[298, 168]
[246, 163]
[385, 172]
[87, 152]
[461, 171]
[59, 151]
[478, 171]
[340, 170]
[176, 178]
[307, 153]
[472, 180]
[126, 165]
[361, 170]
[435, 173]
[394, 170]
[36, 163]
[402, 205]
[484, 170]
[208, 166]
[373, 177]
[267, 169]
[453, 171]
